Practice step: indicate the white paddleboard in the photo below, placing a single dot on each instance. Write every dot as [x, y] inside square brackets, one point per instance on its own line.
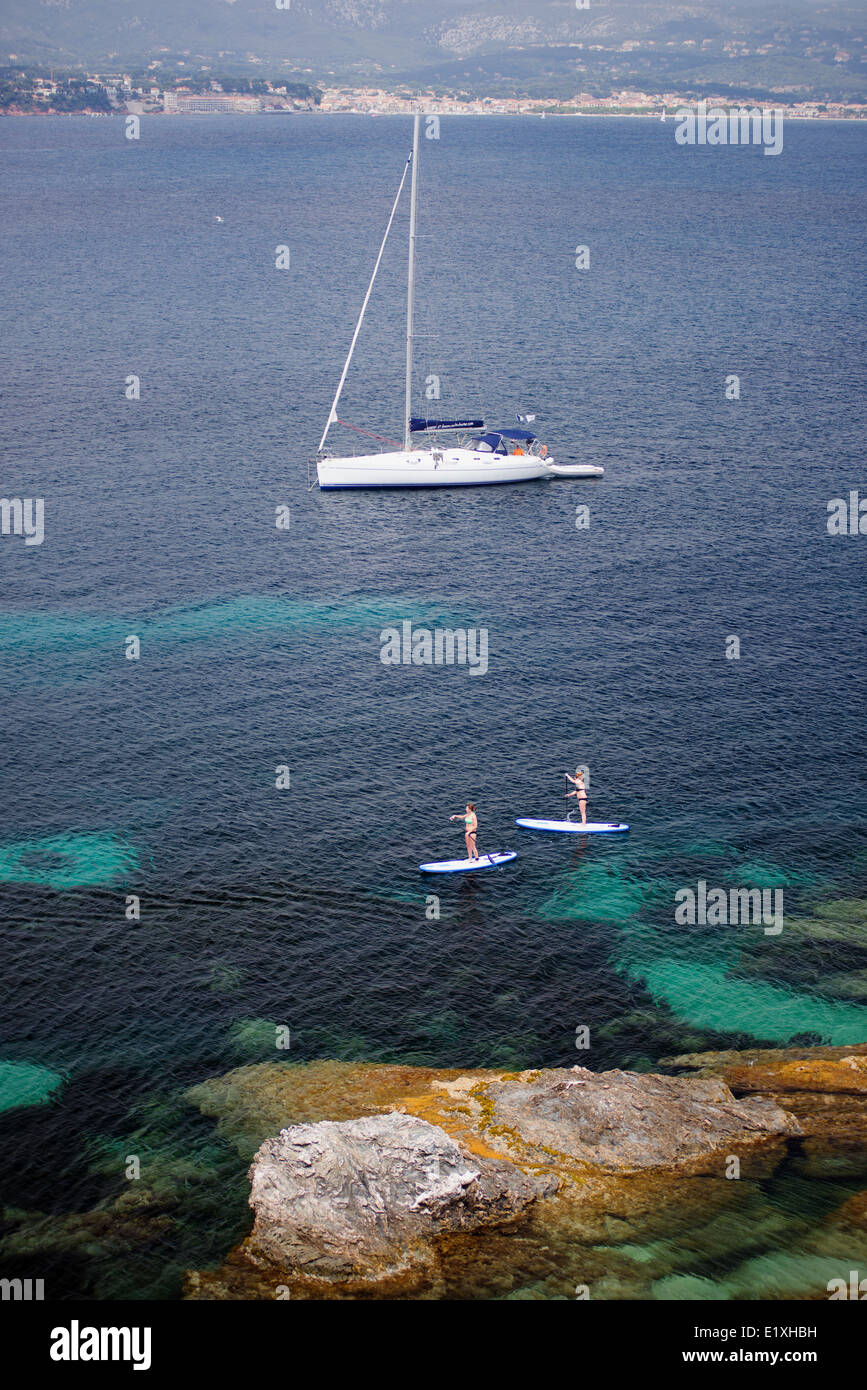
[574, 826]
[457, 866]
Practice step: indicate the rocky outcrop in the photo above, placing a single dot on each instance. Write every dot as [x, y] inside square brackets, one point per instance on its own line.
[625, 1123]
[833, 1069]
[824, 1088]
[361, 1199]
[414, 1200]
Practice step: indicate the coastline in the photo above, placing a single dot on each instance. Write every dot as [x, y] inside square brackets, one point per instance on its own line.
[534, 115]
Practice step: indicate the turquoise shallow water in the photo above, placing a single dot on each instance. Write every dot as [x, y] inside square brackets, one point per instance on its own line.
[68, 861]
[22, 1085]
[248, 614]
[155, 778]
[709, 998]
[694, 971]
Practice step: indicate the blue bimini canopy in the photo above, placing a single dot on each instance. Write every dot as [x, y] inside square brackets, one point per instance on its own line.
[524, 435]
[492, 442]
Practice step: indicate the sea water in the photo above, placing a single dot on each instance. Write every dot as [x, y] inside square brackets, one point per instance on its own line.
[216, 793]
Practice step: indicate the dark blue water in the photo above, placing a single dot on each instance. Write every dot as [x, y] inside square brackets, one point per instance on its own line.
[260, 647]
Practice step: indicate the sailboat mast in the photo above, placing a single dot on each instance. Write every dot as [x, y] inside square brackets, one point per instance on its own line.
[410, 292]
[332, 416]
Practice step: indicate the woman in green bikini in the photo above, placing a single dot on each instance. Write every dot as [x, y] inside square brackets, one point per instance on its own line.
[471, 826]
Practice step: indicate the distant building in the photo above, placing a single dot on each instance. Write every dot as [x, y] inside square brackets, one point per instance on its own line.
[180, 103]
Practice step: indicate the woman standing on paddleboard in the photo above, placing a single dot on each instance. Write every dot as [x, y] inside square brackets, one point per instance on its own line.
[471, 826]
[580, 791]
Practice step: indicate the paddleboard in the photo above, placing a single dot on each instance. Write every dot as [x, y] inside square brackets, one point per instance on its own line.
[574, 827]
[457, 866]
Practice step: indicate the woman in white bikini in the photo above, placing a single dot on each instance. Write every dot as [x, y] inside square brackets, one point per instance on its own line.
[580, 791]
[471, 826]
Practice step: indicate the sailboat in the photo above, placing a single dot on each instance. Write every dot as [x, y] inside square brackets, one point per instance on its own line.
[493, 456]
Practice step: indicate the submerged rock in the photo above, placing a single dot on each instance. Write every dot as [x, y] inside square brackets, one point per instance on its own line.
[253, 1102]
[834, 1069]
[825, 1088]
[852, 1215]
[138, 1216]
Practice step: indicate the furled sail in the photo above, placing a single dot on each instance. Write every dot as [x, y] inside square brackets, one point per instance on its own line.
[418, 423]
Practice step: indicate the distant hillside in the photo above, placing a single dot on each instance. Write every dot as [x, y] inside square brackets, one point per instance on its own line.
[476, 45]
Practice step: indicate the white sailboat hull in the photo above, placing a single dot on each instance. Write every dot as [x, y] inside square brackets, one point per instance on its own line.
[429, 468]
